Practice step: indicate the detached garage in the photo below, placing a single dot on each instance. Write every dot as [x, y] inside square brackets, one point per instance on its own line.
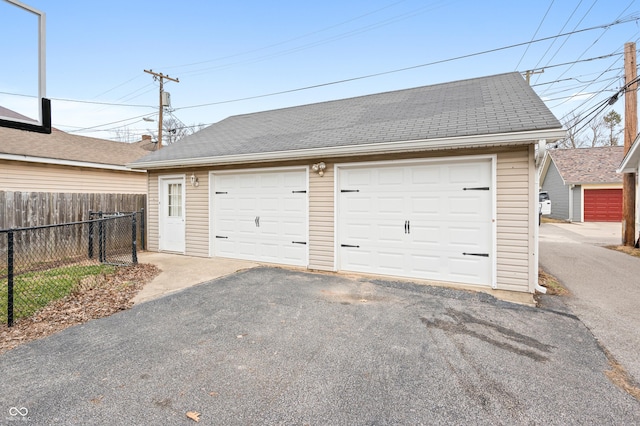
[583, 184]
[434, 183]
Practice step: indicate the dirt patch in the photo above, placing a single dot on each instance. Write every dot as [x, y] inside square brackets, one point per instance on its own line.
[619, 377]
[551, 283]
[96, 297]
[631, 251]
[546, 219]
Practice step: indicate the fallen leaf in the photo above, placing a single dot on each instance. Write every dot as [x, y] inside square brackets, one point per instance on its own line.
[193, 415]
[214, 393]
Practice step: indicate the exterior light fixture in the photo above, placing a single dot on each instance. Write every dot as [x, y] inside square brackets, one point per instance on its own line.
[319, 168]
[194, 180]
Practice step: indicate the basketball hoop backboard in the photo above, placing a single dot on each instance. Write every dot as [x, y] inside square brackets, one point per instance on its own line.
[23, 103]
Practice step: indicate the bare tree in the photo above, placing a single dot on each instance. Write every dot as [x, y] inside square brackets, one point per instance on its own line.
[594, 131]
[173, 129]
[124, 134]
[571, 124]
[597, 131]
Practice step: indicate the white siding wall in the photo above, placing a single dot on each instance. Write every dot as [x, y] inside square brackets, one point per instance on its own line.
[152, 212]
[321, 221]
[36, 177]
[515, 242]
[197, 215]
[514, 245]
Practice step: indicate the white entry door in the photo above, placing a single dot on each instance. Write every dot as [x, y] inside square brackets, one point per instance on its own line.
[261, 216]
[431, 220]
[172, 211]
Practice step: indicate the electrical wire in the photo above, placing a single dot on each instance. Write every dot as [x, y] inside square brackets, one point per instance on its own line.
[535, 33]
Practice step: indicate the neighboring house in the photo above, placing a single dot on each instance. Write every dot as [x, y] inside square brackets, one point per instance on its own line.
[58, 177]
[434, 183]
[583, 184]
[631, 164]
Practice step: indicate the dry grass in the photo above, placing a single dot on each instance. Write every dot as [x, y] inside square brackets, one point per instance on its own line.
[96, 297]
[626, 249]
[551, 283]
[546, 219]
[619, 377]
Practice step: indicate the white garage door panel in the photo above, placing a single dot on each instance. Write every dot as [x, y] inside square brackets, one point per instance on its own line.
[261, 216]
[418, 220]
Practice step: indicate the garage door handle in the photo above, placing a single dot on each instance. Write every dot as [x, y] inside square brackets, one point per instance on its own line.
[480, 188]
[349, 245]
[257, 221]
[298, 242]
[477, 254]
[218, 236]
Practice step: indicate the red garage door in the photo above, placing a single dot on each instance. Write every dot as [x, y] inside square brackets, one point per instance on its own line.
[602, 205]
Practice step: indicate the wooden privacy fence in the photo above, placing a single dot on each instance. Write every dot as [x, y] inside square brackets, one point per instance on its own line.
[29, 209]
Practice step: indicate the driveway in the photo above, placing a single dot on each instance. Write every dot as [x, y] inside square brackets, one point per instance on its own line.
[604, 284]
[273, 346]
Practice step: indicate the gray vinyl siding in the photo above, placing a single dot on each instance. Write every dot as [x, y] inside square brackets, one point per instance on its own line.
[577, 203]
[558, 193]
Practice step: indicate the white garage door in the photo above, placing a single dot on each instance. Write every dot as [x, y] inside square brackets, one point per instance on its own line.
[261, 216]
[430, 220]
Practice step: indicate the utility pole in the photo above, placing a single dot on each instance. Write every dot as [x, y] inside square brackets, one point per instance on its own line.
[630, 133]
[529, 73]
[159, 76]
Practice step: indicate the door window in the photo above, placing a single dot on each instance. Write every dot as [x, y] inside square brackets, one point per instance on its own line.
[174, 202]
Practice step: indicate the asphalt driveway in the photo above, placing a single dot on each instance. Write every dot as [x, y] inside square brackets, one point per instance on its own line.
[604, 284]
[272, 346]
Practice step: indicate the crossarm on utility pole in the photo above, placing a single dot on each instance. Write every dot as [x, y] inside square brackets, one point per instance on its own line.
[159, 76]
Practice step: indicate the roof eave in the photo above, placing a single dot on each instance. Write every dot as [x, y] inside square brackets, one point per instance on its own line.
[501, 139]
[631, 159]
[72, 163]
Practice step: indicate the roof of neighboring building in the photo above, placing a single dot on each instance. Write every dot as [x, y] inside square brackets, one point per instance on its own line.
[63, 146]
[588, 165]
[631, 160]
[492, 105]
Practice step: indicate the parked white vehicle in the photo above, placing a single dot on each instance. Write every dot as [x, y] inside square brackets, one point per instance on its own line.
[545, 203]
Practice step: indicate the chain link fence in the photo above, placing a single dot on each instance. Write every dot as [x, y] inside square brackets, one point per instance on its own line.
[44, 263]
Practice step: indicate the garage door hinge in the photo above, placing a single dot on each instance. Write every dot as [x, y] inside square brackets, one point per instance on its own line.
[477, 254]
[349, 245]
[298, 192]
[220, 192]
[349, 190]
[480, 188]
[219, 236]
[298, 242]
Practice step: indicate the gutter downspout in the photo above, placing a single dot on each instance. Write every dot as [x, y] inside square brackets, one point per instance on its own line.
[571, 187]
[539, 156]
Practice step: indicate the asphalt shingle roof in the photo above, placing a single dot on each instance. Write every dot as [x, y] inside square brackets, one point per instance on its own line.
[481, 106]
[64, 146]
[589, 165]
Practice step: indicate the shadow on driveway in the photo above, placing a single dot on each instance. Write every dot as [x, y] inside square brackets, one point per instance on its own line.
[272, 346]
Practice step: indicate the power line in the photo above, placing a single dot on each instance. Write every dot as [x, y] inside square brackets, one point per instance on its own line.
[536, 33]
[470, 55]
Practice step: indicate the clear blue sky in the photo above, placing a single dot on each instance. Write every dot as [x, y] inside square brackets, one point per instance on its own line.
[228, 50]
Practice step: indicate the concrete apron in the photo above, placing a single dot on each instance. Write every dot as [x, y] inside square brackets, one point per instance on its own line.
[179, 272]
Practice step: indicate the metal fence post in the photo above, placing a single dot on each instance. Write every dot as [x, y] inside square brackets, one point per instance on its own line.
[101, 239]
[143, 242]
[10, 279]
[134, 252]
[90, 238]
